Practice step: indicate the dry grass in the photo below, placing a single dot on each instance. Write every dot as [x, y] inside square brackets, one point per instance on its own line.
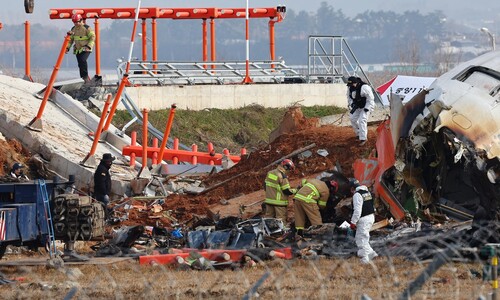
[298, 279]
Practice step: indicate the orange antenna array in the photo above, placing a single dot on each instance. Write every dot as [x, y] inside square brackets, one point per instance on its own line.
[275, 14]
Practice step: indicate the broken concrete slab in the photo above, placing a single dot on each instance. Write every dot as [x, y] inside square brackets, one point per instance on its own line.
[63, 142]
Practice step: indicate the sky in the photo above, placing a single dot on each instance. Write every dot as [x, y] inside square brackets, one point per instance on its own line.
[13, 13]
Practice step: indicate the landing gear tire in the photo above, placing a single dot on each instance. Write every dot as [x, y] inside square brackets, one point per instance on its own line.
[29, 5]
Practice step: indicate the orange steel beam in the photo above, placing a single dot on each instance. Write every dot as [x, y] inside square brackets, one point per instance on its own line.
[270, 12]
[271, 40]
[175, 158]
[204, 41]
[166, 133]
[155, 155]
[145, 139]
[97, 48]
[133, 142]
[144, 41]
[178, 155]
[27, 51]
[105, 13]
[154, 43]
[164, 13]
[48, 89]
[212, 41]
[116, 101]
[97, 133]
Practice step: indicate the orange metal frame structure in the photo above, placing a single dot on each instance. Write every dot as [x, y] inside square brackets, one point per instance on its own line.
[175, 155]
[276, 14]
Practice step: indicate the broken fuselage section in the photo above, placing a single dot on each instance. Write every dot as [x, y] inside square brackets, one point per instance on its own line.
[447, 147]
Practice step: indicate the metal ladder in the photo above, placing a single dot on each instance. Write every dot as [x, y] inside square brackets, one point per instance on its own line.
[42, 193]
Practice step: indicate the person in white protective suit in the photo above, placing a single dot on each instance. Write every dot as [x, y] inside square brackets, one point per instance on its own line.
[361, 103]
[362, 219]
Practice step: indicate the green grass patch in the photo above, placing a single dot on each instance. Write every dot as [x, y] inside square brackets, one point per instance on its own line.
[226, 128]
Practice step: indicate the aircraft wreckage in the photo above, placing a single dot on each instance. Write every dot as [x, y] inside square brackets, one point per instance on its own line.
[439, 154]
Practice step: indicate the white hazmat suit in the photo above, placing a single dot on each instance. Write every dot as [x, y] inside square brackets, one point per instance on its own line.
[363, 226]
[359, 118]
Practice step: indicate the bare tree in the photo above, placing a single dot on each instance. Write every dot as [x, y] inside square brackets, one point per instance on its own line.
[407, 52]
[446, 58]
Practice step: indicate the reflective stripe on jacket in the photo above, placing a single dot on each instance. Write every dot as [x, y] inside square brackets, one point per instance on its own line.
[313, 191]
[81, 36]
[276, 181]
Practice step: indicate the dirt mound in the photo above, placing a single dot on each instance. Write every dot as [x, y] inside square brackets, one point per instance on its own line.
[12, 151]
[249, 174]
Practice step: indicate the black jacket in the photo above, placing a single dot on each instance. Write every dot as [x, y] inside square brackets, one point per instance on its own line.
[102, 180]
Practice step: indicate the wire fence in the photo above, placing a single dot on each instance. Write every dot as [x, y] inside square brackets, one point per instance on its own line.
[452, 262]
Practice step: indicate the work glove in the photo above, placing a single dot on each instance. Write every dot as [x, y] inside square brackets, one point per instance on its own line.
[366, 109]
[67, 50]
[353, 226]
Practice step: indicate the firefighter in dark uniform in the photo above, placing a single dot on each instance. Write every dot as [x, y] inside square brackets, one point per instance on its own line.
[82, 39]
[277, 191]
[312, 196]
[102, 179]
[362, 219]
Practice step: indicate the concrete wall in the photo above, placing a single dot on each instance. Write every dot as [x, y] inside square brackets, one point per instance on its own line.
[198, 97]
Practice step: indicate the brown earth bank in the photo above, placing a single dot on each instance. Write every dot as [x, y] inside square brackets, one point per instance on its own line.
[249, 174]
[12, 151]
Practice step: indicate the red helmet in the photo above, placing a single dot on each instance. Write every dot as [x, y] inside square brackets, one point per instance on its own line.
[76, 18]
[288, 164]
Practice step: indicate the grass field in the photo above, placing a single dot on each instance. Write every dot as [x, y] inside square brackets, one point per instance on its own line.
[295, 279]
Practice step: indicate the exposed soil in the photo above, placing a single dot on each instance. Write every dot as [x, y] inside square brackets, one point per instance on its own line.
[12, 151]
[248, 175]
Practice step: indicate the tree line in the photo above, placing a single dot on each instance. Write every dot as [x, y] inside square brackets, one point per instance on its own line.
[373, 35]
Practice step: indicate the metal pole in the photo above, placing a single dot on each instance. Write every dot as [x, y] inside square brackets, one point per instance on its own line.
[27, 58]
[154, 43]
[144, 41]
[134, 30]
[212, 41]
[133, 142]
[97, 48]
[494, 275]
[204, 41]
[97, 136]
[271, 41]
[144, 138]
[125, 75]
[247, 78]
[167, 131]
[36, 124]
